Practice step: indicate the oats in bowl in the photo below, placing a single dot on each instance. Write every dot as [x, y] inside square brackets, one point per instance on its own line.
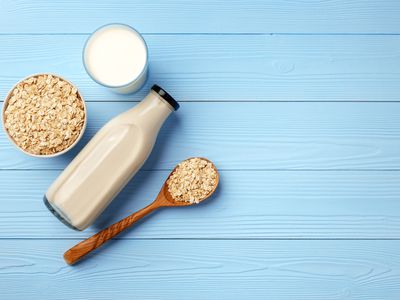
[44, 115]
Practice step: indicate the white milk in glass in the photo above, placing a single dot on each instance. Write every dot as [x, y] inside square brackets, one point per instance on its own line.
[116, 56]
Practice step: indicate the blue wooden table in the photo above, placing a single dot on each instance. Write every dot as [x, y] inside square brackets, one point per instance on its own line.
[298, 104]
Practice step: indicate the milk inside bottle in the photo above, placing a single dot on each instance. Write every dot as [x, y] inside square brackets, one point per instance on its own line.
[110, 159]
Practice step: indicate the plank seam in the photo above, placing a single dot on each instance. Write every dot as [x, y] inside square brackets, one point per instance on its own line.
[213, 239]
[253, 101]
[216, 33]
[237, 170]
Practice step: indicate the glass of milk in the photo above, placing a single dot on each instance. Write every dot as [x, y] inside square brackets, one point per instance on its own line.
[116, 56]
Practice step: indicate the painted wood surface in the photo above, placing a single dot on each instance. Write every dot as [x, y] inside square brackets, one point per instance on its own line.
[298, 104]
[228, 67]
[248, 205]
[214, 269]
[257, 136]
[204, 16]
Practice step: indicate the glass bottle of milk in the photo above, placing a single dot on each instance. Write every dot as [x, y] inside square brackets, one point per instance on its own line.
[110, 159]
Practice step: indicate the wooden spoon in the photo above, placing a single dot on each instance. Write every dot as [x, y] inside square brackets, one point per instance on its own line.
[164, 199]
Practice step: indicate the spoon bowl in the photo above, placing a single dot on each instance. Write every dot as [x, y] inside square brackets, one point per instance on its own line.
[164, 199]
[166, 195]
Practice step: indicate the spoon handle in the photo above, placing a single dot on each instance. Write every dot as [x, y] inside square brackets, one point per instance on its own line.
[95, 241]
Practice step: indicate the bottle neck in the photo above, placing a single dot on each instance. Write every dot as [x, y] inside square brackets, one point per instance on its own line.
[152, 112]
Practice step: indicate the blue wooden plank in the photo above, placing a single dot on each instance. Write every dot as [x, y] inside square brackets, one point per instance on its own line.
[191, 269]
[228, 68]
[327, 136]
[253, 205]
[206, 16]
[249, 204]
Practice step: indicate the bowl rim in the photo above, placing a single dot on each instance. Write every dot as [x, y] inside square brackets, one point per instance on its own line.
[5, 104]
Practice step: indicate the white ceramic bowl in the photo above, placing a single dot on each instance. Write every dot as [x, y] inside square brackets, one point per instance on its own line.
[43, 155]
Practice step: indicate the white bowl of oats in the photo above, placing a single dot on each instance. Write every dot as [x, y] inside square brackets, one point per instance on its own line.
[44, 115]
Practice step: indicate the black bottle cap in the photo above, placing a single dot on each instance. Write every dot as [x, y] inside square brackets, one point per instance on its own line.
[167, 97]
